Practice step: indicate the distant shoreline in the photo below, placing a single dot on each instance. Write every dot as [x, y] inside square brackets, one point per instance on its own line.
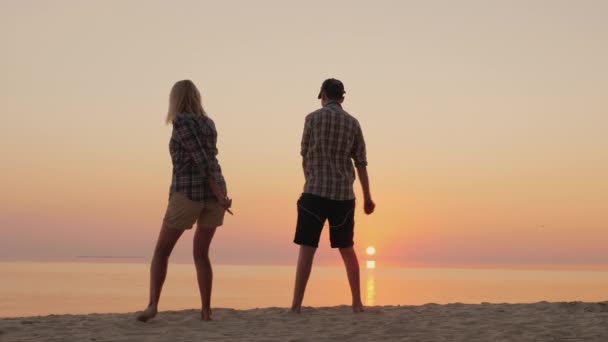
[380, 264]
[107, 257]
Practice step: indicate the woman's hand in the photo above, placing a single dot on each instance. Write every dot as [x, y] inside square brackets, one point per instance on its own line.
[226, 203]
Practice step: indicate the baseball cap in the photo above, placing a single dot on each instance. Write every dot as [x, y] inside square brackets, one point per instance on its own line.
[332, 88]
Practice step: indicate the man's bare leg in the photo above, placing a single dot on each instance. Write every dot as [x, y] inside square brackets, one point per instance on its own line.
[158, 269]
[304, 267]
[204, 271]
[352, 271]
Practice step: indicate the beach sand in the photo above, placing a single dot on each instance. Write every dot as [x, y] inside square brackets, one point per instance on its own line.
[566, 321]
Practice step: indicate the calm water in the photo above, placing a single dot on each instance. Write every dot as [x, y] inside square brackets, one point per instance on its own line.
[74, 288]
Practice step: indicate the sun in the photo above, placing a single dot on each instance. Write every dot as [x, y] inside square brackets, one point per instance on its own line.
[371, 250]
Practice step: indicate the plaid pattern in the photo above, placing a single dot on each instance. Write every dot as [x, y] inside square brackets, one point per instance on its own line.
[331, 138]
[193, 153]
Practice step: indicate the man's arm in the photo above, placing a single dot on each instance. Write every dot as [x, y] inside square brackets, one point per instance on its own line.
[359, 155]
[305, 142]
[368, 203]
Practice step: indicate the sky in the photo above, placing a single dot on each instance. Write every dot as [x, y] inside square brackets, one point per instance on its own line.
[485, 124]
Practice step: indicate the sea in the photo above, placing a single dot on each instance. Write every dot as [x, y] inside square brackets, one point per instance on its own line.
[83, 287]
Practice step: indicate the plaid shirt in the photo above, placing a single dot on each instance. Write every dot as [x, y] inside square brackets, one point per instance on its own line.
[331, 138]
[193, 153]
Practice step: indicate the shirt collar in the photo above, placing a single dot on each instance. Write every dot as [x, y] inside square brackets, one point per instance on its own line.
[333, 102]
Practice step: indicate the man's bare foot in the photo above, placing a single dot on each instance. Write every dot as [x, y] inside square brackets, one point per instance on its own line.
[146, 315]
[206, 315]
[295, 309]
[358, 308]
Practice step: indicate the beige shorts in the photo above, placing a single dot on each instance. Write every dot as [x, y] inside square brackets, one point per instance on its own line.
[182, 212]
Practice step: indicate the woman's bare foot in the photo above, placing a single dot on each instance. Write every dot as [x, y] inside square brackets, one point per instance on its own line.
[146, 315]
[358, 308]
[206, 315]
[295, 309]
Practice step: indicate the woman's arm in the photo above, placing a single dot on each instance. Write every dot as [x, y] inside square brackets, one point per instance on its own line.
[190, 140]
[222, 198]
[187, 133]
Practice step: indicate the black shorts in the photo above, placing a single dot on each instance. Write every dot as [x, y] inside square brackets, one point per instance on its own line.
[314, 210]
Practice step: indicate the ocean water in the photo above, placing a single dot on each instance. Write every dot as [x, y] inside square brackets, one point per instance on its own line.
[43, 288]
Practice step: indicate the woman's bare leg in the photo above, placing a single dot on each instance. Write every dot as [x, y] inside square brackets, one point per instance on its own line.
[204, 272]
[158, 269]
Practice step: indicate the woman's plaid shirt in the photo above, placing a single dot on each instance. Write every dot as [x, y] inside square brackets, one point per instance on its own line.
[331, 138]
[193, 153]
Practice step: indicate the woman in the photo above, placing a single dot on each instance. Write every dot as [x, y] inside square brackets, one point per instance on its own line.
[197, 194]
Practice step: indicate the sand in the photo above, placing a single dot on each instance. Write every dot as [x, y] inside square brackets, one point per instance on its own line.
[567, 321]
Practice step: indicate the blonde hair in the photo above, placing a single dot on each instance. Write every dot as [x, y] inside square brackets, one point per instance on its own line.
[184, 98]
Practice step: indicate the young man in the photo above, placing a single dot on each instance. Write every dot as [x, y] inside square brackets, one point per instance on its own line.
[331, 138]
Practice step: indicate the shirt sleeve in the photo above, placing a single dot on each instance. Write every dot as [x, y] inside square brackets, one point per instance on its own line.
[359, 153]
[305, 137]
[189, 136]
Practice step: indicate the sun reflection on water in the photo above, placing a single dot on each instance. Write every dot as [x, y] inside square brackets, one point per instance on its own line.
[370, 286]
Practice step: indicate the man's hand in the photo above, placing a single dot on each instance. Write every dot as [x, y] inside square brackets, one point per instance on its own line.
[369, 206]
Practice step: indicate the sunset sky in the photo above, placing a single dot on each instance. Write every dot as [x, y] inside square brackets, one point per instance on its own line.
[486, 124]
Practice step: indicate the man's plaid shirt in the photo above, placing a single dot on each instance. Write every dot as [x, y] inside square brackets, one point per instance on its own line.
[331, 138]
[193, 153]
